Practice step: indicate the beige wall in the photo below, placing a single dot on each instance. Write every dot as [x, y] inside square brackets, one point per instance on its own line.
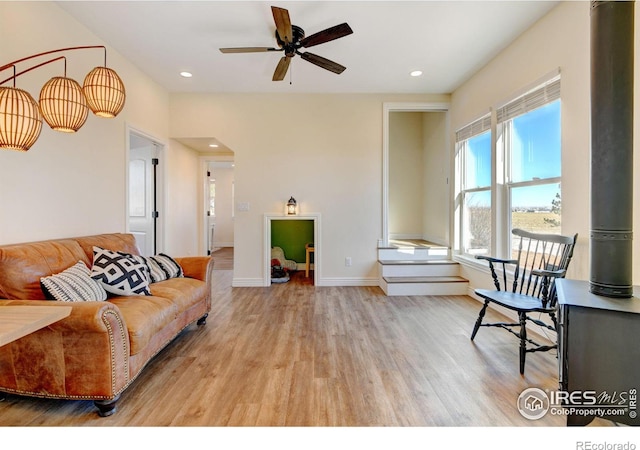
[406, 175]
[418, 176]
[559, 41]
[325, 150]
[435, 228]
[183, 200]
[224, 206]
[75, 184]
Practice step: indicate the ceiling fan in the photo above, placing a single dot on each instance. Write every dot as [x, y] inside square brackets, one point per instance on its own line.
[291, 39]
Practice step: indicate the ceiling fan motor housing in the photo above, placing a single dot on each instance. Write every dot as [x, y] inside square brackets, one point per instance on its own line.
[290, 49]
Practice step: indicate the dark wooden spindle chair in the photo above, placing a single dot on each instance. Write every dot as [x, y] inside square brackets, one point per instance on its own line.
[528, 285]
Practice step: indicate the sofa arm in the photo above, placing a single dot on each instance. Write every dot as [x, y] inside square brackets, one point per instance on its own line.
[83, 356]
[198, 267]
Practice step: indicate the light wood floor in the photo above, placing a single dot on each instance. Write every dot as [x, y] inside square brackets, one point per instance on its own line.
[297, 355]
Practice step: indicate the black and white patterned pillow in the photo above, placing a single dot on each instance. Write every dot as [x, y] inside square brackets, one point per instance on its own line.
[163, 267]
[142, 260]
[73, 285]
[119, 274]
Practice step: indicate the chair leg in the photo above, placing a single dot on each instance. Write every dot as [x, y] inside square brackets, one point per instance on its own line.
[476, 327]
[523, 340]
[555, 321]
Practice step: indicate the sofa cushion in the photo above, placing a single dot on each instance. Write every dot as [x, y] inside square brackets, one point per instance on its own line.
[118, 242]
[36, 260]
[119, 274]
[185, 292]
[145, 317]
[73, 285]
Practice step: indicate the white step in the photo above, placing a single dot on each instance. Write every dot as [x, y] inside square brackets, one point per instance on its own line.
[419, 268]
[449, 285]
[412, 253]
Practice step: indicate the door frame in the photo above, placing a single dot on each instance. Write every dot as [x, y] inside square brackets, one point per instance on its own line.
[266, 239]
[387, 108]
[160, 183]
[203, 182]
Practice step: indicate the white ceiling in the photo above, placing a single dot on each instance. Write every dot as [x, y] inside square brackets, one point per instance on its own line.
[447, 40]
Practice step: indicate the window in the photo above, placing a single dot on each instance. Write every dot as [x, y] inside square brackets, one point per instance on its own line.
[473, 149]
[529, 130]
[514, 180]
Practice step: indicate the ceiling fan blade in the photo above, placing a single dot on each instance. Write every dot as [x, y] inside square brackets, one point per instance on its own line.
[323, 62]
[327, 35]
[281, 68]
[283, 23]
[248, 49]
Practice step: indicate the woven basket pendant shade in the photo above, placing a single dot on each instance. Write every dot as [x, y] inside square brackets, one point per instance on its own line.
[63, 105]
[104, 91]
[20, 119]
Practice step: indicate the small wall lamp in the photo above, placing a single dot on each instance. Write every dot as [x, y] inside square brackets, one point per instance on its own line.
[292, 207]
[64, 105]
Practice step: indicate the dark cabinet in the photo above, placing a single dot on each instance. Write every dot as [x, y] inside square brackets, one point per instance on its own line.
[599, 354]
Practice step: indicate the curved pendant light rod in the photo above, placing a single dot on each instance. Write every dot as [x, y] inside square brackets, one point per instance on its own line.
[16, 75]
[68, 49]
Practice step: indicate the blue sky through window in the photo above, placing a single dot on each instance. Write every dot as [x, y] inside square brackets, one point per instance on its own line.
[535, 145]
[535, 154]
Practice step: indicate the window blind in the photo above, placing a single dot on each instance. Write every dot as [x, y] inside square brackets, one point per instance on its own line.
[533, 99]
[476, 127]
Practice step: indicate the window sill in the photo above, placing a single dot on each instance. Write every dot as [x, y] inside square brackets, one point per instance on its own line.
[472, 263]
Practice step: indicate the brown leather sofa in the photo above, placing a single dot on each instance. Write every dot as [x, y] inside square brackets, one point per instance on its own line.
[102, 346]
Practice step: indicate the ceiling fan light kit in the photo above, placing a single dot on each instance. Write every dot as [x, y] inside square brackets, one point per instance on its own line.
[291, 38]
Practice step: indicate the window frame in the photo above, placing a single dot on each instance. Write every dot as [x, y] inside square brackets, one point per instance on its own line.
[540, 96]
[474, 129]
[541, 93]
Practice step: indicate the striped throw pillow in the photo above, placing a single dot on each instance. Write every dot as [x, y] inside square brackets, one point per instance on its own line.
[73, 285]
[163, 267]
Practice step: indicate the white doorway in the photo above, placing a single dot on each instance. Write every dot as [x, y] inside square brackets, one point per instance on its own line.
[145, 217]
[219, 196]
[442, 191]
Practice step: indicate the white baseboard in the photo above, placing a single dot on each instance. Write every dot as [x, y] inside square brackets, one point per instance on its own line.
[258, 282]
[401, 236]
[222, 244]
[247, 282]
[348, 282]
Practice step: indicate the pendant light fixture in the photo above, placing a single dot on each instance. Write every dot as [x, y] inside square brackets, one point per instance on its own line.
[104, 91]
[63, 103]
[20, 119]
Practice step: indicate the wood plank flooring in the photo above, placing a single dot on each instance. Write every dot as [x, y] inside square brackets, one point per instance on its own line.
[223, 258]
[296, 355]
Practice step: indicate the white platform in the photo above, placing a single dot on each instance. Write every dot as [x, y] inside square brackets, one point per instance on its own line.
[419, 270]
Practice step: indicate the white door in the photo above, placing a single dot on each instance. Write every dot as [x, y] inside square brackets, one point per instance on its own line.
[143, 197]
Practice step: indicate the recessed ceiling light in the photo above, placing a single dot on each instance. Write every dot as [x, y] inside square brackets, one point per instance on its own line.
[416, 73]
[213, 145]
[186, 74]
